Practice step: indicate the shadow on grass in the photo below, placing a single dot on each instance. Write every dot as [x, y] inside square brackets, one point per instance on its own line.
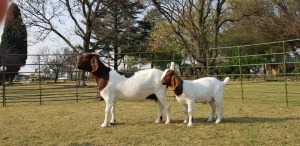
[225, 120]
[257, 120]
[81, 144]
[250, 120]
[243, 120]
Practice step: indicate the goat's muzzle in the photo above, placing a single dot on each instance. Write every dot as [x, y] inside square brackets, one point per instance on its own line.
[79, 65]
[165, 81]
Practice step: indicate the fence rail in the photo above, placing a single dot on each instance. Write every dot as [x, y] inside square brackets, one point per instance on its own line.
[266, 72]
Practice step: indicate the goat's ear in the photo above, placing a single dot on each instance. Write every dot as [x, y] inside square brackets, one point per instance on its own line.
[174, 81]
[94, 64]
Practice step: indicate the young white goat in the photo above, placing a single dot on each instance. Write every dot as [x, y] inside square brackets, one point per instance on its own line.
[115, 86]
[204, 90]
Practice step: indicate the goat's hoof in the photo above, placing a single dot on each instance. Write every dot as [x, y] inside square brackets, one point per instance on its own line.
[210, 120]
[157, 122]
[167, 122]
[185, 121]
[113, 122]
[218, 121]
[190, 125]
[104, 125]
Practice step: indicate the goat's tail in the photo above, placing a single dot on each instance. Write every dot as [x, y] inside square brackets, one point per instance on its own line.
[226, 80]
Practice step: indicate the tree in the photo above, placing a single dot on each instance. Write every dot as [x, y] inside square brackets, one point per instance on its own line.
[121, 29]
[14, 41]
[9, 62]
[57, 61]
[164, 42]
[277, 20]
[197, 23]
[281, 21]
[77, 16]
[48, 16]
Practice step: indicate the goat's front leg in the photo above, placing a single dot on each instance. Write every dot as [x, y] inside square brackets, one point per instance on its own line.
[113, 113]
[108, 107]
[191, 105]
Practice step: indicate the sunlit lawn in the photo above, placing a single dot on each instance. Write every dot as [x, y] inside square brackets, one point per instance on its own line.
[252, 121]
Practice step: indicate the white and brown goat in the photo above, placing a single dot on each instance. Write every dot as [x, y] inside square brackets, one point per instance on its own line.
[115, 86]
[188, 92]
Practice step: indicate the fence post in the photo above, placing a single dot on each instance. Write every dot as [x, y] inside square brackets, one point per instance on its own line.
[40, 86]
[207, 63]
[76, 74]
[139, 62]
[3, 81]
[124, 63]
[152, 59]
[240, 68]
[285, 78]
[173, 55]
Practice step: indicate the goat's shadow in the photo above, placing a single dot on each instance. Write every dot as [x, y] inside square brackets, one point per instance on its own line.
[224, 120]
[228, 120]
[247, 120]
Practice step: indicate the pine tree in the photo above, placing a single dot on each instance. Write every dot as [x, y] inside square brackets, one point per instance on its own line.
[13, 46]
[14, 36]
[119, 29]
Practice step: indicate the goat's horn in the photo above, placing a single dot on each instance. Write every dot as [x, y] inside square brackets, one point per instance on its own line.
[172, 66]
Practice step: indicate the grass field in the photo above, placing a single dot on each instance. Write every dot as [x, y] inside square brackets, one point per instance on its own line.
[69, 123]
[261, 118]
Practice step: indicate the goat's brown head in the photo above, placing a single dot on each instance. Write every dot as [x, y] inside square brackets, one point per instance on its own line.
[91, 63]
[170, 78]
[166, 77]
[88, 62]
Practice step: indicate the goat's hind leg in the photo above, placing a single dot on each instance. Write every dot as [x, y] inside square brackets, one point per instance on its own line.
[191, 105]
[166, 105]
[160, 112]
[213, 111]
[163, 101]
[113, 115]
[220, 107]
[185, 111]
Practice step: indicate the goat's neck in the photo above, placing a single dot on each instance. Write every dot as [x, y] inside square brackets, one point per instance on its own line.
[101, 78]
[178, 90]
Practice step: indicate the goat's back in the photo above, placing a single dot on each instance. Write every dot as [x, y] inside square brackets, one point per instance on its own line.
[137, 87]
[203, 89]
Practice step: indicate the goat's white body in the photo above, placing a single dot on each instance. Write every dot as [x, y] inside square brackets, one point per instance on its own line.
[201, 90]
[135, 88]
[204, 90]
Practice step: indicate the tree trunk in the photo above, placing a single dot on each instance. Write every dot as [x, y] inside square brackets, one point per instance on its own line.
[115, 58]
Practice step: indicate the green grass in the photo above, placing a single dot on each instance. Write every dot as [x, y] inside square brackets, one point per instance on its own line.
[70, 123]
[261, 118]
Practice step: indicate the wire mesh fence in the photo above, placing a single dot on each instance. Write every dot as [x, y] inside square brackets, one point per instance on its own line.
[262, 72]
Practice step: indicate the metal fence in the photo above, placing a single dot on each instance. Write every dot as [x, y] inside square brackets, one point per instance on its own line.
[262, 72]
